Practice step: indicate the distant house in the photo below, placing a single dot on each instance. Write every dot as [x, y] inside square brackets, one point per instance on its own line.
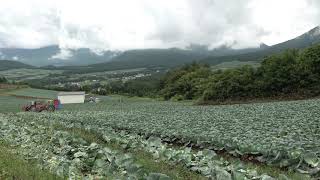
[71, 97]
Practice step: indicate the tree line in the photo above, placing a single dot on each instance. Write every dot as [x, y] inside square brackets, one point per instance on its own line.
[293, 73]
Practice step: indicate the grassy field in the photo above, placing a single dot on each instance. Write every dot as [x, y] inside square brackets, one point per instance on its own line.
[37, 93]
[60, 78]
[234, 64]
[252, 140]
[11, 104]
[13, 167]
[27, 74]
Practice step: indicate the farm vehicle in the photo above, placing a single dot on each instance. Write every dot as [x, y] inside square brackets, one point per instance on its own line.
[92, 99]
[39, 106]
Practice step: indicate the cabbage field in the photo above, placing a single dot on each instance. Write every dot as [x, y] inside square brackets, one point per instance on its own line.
[284, 135]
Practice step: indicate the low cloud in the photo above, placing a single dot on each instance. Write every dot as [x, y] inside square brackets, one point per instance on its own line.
[63, 54]
[135, 24]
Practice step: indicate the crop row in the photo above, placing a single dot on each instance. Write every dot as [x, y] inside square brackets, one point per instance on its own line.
[67, 155]
[285, 134]
[205, 162]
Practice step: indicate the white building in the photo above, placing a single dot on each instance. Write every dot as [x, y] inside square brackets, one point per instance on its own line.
[71, 97]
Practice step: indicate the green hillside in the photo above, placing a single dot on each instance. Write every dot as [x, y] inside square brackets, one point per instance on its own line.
[36, 93]
[6, 65]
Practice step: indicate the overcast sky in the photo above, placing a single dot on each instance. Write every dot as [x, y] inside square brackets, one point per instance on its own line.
[133, 24]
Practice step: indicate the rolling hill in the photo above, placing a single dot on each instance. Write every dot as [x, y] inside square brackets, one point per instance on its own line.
[6, 65]
[149, 58]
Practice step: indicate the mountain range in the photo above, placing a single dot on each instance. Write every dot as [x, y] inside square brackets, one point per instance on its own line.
[52, 56]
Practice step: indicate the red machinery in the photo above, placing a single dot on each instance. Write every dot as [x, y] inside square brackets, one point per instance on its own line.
[38, 106]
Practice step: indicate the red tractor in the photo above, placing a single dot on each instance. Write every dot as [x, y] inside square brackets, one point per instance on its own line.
[38, 106]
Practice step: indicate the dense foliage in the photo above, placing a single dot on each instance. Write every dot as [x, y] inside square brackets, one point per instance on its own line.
[185, 82]
[3, 80]
[291, 73]
[146, 86]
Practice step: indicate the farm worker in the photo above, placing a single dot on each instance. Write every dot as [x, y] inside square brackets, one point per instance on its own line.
[59, 105]
[56, 103]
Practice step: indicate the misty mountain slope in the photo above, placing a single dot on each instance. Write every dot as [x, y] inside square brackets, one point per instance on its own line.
[147, 58]
[168, 58]
[307, 39]
[165, 58]
[44, 56]
[35, 57]
[51, 55]
[83, 57]
[6, 65]
[222, 50]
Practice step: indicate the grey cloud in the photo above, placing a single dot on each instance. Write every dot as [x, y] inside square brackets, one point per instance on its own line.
[141, 24]
[28, 30]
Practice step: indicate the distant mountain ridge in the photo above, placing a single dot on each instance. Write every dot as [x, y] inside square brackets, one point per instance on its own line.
[307, 39]
[45, 56]
[52, 56]
[263, 46]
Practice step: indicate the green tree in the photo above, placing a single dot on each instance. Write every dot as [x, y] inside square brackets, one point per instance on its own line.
[278, 73]
[3, 80]
[187, 82]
